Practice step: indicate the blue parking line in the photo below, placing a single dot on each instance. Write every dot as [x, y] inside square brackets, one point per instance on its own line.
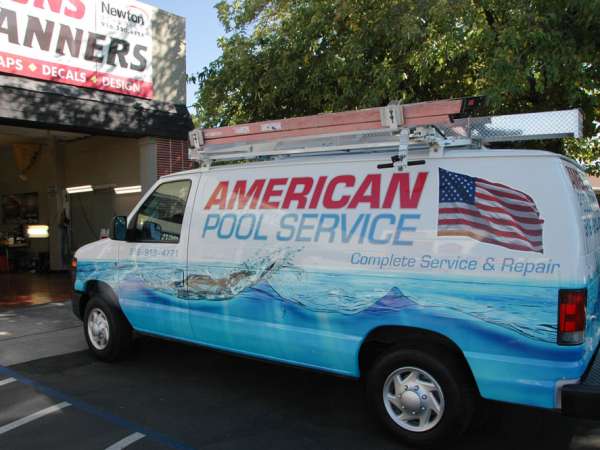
[86, 407]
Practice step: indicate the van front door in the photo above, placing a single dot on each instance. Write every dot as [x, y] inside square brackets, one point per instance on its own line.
[229, 261]
[152, 263]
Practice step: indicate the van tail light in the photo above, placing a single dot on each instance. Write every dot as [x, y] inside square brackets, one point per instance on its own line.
[571, 316]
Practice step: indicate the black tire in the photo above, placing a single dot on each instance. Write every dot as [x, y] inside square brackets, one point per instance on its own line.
[120, 334]
[459, 395]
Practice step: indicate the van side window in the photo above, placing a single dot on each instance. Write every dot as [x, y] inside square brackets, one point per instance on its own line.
[160, 217]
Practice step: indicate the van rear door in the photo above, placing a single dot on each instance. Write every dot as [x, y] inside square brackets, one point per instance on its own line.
[588, 212]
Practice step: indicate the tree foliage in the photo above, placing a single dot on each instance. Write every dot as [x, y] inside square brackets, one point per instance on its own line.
[586, 151]
[284, 58]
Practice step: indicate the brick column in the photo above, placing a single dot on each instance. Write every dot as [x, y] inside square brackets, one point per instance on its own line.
[172, 156]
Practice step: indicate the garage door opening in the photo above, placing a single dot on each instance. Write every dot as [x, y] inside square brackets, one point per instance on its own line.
[41, 223]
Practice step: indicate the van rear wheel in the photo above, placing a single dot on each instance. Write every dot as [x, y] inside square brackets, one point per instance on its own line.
[107, 332]
[424, 398]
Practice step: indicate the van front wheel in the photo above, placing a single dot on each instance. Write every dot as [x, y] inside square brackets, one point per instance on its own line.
[107, 332]
[423, 398]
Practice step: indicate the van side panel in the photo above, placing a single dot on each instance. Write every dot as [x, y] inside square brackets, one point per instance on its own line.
[298, 263]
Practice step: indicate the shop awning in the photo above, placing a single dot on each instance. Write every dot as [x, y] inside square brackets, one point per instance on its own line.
[40, 104]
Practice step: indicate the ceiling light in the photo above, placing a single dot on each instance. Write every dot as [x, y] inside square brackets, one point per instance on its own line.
[128, 190]
[37, 231]
[80, 189]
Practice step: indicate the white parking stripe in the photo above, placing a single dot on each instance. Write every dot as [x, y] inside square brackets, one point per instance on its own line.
[126, 442]
[32, 417]
[7, 381]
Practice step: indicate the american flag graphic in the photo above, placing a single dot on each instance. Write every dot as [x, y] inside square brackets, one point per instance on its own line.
[489, 212]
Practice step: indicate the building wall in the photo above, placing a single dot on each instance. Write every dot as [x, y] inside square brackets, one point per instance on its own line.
[169, 68]
[103, 162]
[108, 161]
[115, 162]
[38, 180]
[100, 160]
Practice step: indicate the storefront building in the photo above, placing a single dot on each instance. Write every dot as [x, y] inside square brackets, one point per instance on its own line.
[595, 181]
[92, 111]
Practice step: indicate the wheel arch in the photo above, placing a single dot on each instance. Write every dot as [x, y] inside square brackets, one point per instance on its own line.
[385, 338]
[97, 288]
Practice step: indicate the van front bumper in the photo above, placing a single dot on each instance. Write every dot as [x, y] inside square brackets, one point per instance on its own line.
[582, 400]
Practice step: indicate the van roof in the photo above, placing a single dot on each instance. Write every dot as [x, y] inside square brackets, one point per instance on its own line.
[379, 156]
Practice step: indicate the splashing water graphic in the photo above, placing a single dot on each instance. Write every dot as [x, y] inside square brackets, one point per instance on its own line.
[225, 283]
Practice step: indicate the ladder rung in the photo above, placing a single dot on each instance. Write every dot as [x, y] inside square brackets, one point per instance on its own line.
[436, 112]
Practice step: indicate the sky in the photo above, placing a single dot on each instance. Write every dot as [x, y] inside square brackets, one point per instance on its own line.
[203, 30]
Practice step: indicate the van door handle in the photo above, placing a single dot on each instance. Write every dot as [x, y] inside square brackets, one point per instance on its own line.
[180, 284]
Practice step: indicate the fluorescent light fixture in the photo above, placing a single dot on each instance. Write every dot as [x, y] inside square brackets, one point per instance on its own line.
[128, 190]
[80, 189]
[38, 231]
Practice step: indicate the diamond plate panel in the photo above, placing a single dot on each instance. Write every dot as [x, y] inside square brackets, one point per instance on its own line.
[521, 127]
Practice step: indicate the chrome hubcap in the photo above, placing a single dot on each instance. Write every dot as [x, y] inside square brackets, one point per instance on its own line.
[413, 399]
[98, 329]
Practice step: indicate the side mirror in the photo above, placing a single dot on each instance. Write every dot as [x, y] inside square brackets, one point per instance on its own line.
[118, 231]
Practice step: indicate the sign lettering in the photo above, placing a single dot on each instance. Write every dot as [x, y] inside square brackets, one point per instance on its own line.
[99, 44]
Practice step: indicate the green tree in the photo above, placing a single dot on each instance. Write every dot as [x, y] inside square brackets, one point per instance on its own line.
[586, 151]
[284, 58]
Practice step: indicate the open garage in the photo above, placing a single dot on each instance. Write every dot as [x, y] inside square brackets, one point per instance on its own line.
[76, 151]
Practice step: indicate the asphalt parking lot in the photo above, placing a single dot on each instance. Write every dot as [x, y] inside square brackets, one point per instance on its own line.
[53, 394]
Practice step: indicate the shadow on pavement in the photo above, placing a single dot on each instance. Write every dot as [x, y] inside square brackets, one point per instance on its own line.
[212, 400]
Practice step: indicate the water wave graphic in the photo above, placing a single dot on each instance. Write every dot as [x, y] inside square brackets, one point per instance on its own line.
[271, 277]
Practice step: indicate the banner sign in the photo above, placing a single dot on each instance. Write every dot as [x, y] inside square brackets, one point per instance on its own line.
[99, 44]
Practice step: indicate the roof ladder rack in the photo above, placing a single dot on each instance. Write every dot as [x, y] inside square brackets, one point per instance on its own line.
[430, 125]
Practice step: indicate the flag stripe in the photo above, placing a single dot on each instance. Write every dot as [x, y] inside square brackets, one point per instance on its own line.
[503, 187]
[508, 196]
[466, 208]
[505, 198]
[482, 234]
[490, 240]
[501, 213]
[491, 229]
[514, 212]
[467, 214]
[503, 203]
[521, 217]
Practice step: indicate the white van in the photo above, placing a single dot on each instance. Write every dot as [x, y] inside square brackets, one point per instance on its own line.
[470, 273]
